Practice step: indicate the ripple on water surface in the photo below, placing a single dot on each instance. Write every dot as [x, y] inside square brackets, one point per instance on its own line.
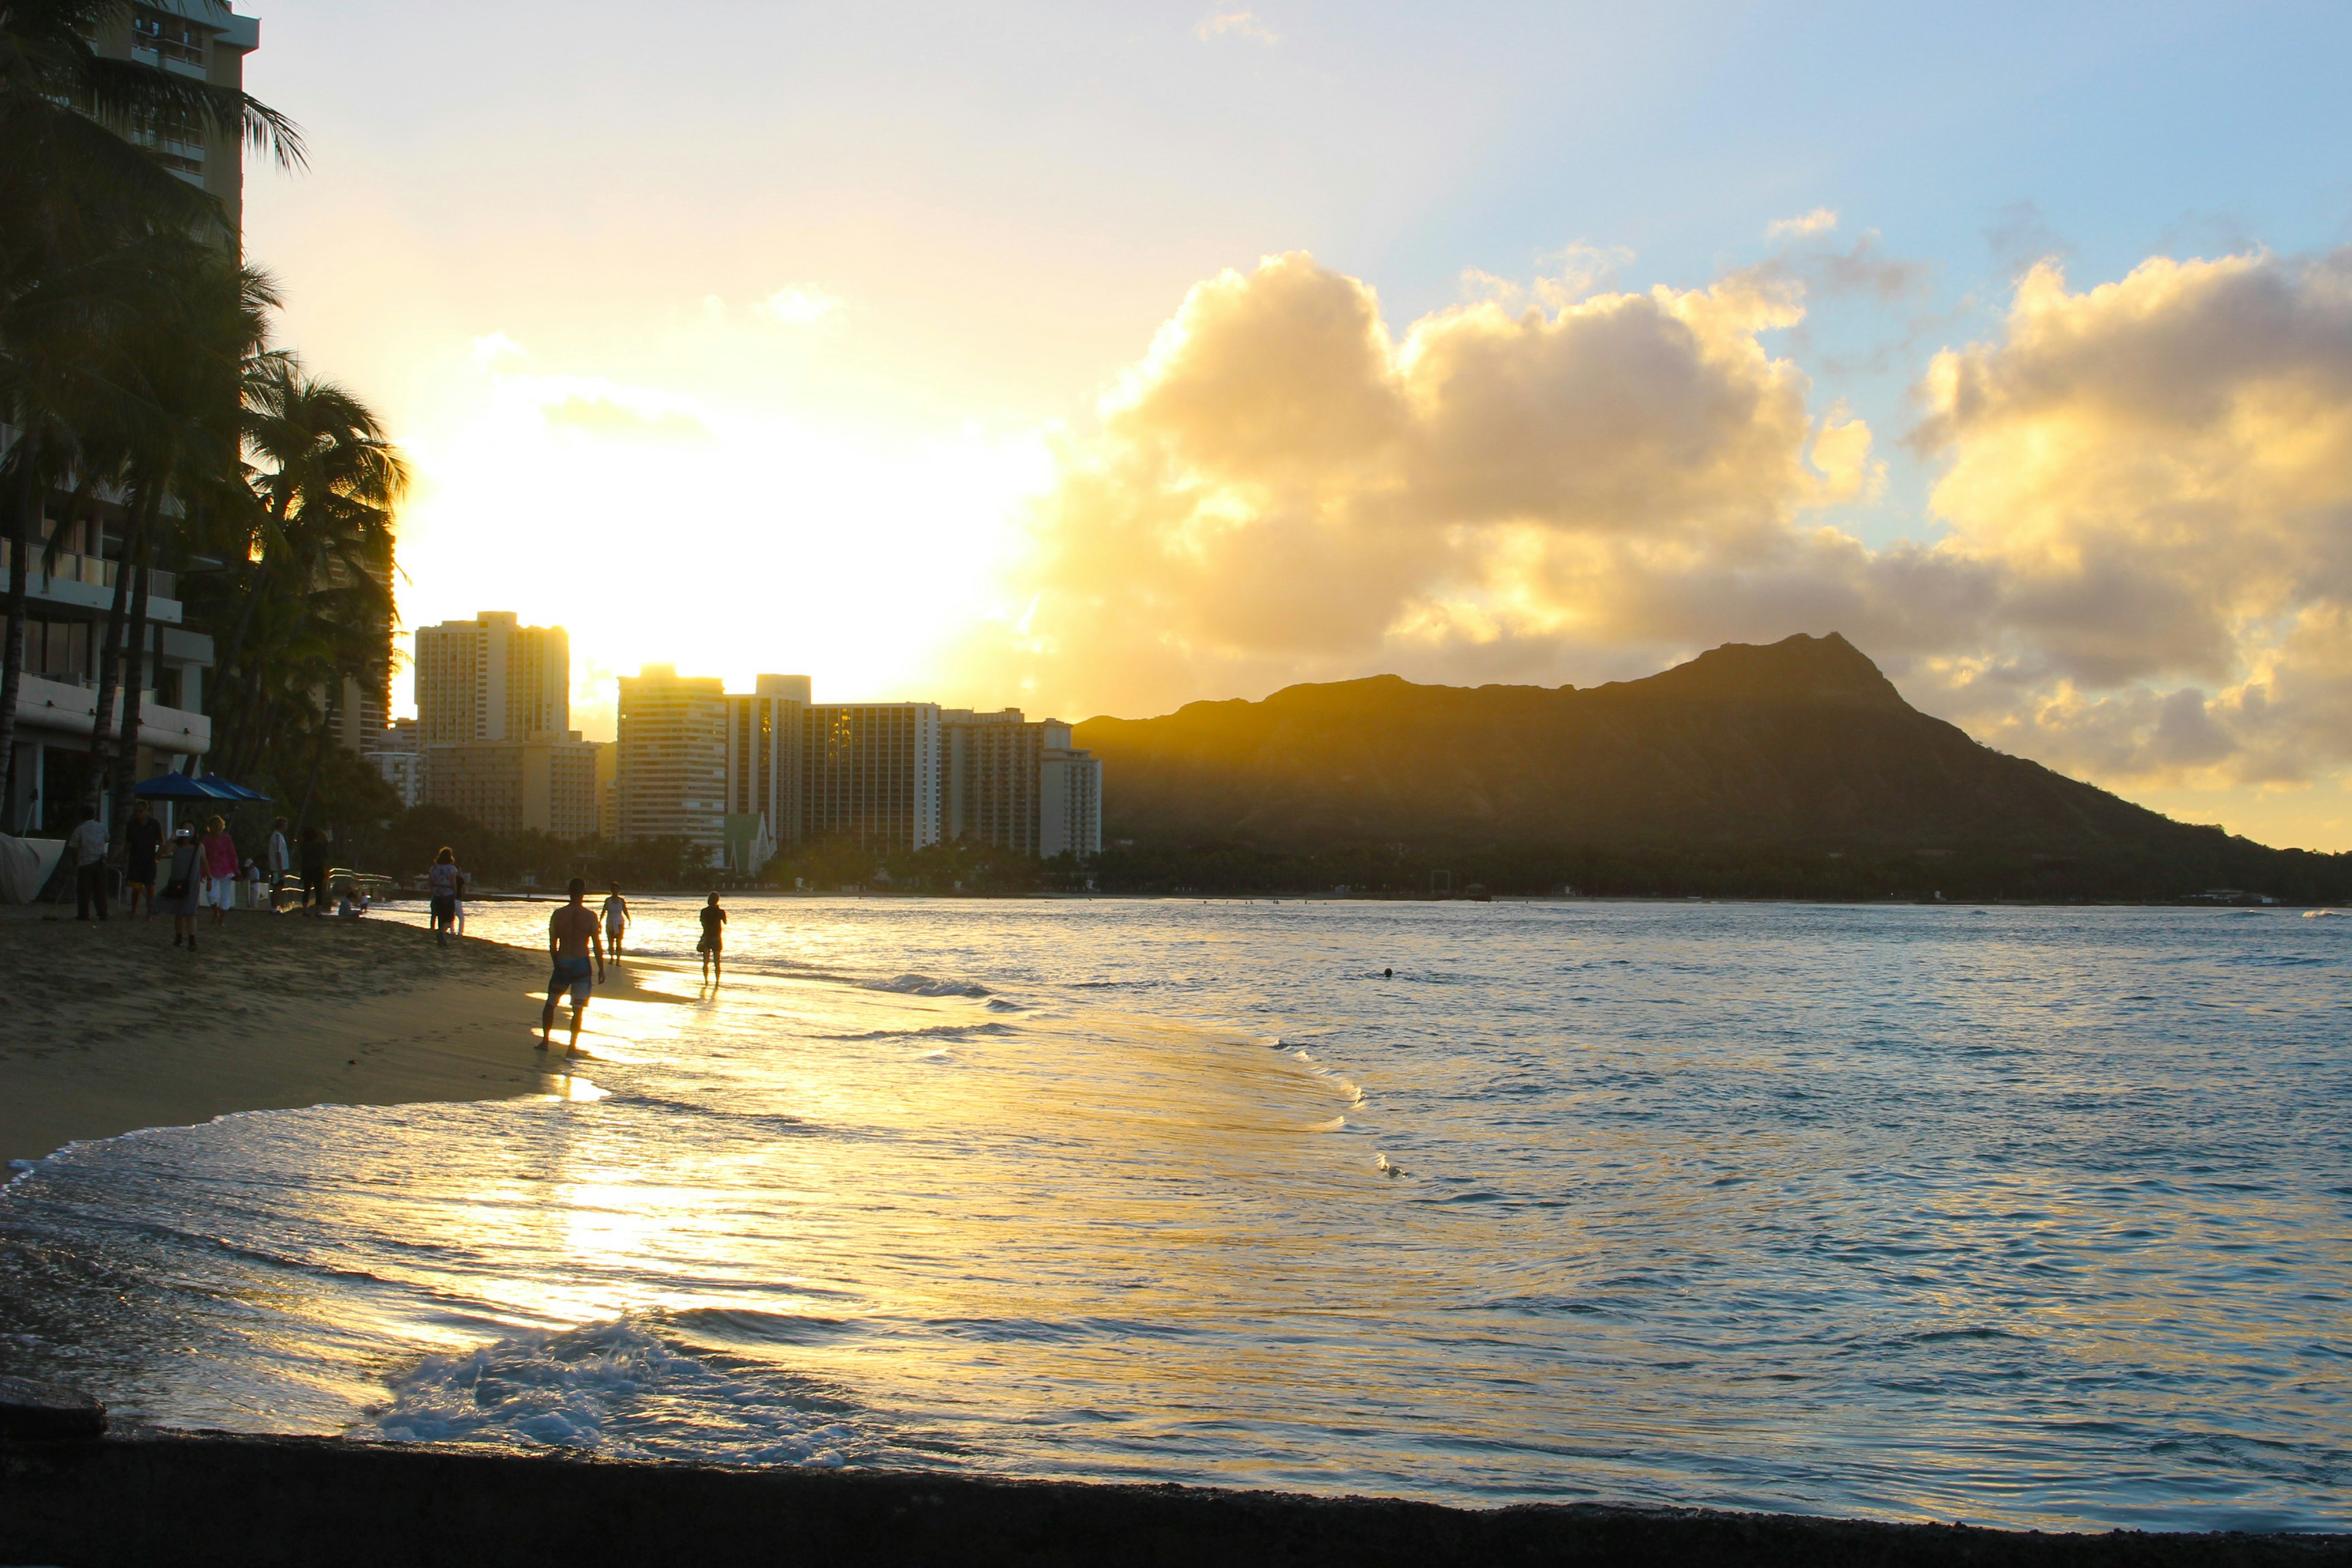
[2028, 1216]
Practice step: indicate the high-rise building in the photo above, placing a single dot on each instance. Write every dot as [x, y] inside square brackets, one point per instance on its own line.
[201, 39]
[541, 784]
[988, 778]
[871, 774]
[493, 678]
[764, 736]
[670, 763]
[78, 539]
[1015, 785]
[1069, 796]
[394, 753]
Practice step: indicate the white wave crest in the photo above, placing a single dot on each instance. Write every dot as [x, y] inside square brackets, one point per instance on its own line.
[612, 1389]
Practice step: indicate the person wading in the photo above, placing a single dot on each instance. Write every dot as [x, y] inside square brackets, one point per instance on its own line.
[714, 940]
[616, 920]
[571, 937]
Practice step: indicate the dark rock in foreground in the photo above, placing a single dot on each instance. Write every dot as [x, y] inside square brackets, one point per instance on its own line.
[257, 1502]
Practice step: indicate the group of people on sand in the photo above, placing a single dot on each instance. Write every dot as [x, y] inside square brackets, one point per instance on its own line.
[577, 943]
[197, 868]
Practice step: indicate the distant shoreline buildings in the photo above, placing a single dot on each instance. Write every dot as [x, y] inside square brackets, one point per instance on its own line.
[742, 776]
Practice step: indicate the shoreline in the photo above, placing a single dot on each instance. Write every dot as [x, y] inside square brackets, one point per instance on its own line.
[212, 1498]
[112, 1030]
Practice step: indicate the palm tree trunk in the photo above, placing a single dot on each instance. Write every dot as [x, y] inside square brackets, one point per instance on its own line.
[12, 648]
[318, 760]
[103, 732]
[126, 777]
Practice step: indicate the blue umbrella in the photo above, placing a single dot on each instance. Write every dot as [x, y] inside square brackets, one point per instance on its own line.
[180, 786]
[231, 791]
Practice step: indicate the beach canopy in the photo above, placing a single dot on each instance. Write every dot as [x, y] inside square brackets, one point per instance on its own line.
[180, 786]
[235, 790]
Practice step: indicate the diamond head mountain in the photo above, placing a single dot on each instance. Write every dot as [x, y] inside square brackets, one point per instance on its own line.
[1795, 768]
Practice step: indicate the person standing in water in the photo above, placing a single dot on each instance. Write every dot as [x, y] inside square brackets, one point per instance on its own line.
[570, 938]
[616, 920]
[714, 939]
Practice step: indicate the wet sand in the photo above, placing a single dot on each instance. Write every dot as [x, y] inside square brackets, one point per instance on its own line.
[107, 1027]
[252, 1502]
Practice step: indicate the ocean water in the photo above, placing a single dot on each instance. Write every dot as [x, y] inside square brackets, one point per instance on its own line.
[2021, 1217]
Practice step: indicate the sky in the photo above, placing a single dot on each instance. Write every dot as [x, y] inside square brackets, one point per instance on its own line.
[1096, 359]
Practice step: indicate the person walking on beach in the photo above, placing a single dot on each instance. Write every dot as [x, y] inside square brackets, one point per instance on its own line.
[183, 888]
[714, 940]
[220, 870]
[277, 862]
[446, 883]
[616, 920]
[88, 843]
[571, 937]
[144, 838]
[314, 871]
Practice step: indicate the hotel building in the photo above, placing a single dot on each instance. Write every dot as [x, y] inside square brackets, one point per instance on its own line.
[491, 678]
[670, 765]
[69, 596]
[871, 774]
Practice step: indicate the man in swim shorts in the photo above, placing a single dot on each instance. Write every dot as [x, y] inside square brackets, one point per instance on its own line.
[616, 920]
[571, 937]
[714, 940]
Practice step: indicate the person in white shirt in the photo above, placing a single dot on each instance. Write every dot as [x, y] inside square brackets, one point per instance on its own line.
[280, 859]
[89, 844]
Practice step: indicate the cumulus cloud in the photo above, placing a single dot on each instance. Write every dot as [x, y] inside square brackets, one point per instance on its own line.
[2161, 469]
[1282, 489]
[1819, 221]
[2148, 487]
[1235, 24]
[799, 305]
[601, 414]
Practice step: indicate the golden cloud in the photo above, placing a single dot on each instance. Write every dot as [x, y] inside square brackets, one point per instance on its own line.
[2149, 486]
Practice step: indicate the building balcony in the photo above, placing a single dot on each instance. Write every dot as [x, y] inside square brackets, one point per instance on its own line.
[54, 710]
[86, 582]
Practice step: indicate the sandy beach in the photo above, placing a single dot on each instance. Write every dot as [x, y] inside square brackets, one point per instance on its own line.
[109, 1028]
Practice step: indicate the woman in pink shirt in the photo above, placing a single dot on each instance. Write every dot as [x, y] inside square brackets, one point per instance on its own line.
[220, 870]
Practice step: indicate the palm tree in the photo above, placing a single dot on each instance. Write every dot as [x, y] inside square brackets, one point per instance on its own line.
[326, 481]
[185, 366]
[79, 201]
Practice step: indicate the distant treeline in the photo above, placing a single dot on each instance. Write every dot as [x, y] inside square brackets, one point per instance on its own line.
[1668, 870]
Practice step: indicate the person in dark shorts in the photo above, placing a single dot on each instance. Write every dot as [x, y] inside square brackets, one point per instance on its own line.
[446, 883]
[572, 935]
[145, 839]
[314, 871]
[714, 939]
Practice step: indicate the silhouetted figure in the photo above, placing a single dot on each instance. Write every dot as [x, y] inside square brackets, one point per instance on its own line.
[571, 939]
[88, 843]
[145, 839]
[714, 940]
[616, 920]
[314, 871]
[446, 883]
[183, 887]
